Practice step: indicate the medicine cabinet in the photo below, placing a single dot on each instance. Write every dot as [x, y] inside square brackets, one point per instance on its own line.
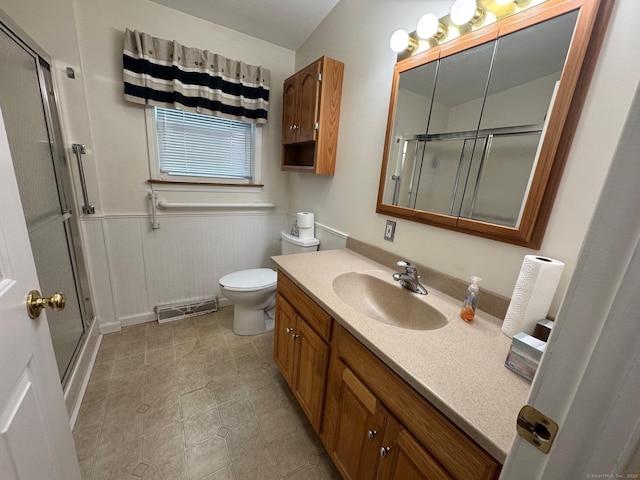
[479, 128]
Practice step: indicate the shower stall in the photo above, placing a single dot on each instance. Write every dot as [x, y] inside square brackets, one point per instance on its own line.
[44, 179]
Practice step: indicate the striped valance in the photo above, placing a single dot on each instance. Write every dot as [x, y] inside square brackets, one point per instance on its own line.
[163, 73]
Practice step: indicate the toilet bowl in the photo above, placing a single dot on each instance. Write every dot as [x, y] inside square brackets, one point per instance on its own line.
[253, 294]
[253, 291]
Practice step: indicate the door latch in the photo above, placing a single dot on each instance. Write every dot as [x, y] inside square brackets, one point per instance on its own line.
[536, 428]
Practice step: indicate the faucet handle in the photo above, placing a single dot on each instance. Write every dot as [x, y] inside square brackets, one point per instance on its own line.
[407, 265]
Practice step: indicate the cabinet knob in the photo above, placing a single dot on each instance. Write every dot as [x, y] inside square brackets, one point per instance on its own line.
[384, 451]
[371, 434]
[294, 336]
[295, 127]
[289, 329]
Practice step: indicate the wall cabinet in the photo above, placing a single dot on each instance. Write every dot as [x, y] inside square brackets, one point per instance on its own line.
[311, 116]
[373, 424]
[301, 350]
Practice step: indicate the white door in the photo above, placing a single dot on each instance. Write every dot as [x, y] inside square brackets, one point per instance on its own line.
[35, 438]
[589, 378]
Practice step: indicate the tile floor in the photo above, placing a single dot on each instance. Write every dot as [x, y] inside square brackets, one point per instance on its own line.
[191, 400]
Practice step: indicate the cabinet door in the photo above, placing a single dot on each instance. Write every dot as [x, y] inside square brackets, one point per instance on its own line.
[403, 458]
[283, 344]
[308, 98]
[289, 105]
[310, 371]
[359, 428]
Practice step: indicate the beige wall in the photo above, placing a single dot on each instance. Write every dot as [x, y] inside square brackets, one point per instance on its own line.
[357, 32]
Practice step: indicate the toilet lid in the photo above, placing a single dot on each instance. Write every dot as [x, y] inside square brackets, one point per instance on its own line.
[253, 279]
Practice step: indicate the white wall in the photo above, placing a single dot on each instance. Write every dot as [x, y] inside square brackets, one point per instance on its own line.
[132, 267]
[357, 33]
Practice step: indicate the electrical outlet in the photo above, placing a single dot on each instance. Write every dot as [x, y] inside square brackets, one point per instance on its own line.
[390, 230]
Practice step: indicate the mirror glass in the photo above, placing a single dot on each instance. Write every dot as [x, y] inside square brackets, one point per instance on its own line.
[469, 126]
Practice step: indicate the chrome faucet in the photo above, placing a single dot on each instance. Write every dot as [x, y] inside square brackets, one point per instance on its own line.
[409, 279]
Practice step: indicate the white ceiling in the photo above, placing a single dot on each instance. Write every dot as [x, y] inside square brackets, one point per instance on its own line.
[287, 23]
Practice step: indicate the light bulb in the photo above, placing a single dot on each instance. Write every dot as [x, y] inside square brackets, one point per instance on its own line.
[428, 26]
[503, 2]
[401, 41]
[465, 11]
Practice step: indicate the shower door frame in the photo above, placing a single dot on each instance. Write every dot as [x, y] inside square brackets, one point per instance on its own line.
[63, 179]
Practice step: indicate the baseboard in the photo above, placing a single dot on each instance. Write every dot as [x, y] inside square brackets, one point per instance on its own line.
[111, 327]
[77, 385]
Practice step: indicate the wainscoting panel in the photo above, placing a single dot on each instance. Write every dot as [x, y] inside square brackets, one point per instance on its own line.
[187, 255]
[127, 267]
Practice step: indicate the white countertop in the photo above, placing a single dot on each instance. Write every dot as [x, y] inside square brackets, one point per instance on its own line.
[459, 368]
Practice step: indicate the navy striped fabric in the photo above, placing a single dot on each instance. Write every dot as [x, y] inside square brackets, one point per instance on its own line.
[162, 73]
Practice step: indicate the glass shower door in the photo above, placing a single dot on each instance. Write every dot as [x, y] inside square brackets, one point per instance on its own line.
[43, 179]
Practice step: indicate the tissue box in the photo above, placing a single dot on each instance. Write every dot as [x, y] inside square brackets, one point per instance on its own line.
[524, 354]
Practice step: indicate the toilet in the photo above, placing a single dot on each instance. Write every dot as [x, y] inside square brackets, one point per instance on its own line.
[253, 291]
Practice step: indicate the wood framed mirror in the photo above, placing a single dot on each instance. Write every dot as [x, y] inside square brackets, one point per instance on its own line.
[480, 127]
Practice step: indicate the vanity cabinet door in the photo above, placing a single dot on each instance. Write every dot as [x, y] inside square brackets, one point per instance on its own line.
[311, 359]
[359, 427]
[403, 458]
[283, 344]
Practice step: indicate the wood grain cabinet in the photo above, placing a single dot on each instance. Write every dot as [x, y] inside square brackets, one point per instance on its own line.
[311, 116]
[374, 425]
[301, 350]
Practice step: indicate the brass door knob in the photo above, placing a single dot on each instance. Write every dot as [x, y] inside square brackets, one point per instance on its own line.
[35, 302]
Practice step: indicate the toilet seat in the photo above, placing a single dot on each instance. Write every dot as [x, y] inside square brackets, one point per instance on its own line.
[250, 280]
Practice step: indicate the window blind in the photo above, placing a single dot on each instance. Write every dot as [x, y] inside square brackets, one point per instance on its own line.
[195, 145]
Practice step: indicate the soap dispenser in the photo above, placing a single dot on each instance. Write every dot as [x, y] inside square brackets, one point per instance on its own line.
[468, 310]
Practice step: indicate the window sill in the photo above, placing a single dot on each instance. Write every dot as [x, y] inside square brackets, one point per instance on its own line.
[185, 186]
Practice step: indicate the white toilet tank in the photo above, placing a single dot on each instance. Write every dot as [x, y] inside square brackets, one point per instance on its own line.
[291, 244]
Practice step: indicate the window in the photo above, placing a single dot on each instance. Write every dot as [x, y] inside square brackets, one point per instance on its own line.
[196, 147]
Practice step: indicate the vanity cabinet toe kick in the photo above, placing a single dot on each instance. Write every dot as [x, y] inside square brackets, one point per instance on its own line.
[373, 424]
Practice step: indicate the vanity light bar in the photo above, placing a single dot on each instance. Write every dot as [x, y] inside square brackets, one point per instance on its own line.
[464, 14]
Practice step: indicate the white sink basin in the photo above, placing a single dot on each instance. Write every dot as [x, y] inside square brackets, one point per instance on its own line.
[387, 302]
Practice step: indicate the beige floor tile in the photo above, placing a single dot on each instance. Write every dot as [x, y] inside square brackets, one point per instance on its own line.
[194, 380]
[91, 413]
[201, 426]
[207, 457]
[224, 474]
[117, 433]
[235, 402]
[255, 465]
[160, 352]
[162, 411]
[291, 452]
[245, 439]
[227, 385]
[236, 412]
[86, 442]
[162, 443]
[117, 461]
[279, 422]
[197, 401]
[174, 468]
[266, 398]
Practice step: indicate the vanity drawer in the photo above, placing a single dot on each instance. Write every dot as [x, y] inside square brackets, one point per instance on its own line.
[315, 316]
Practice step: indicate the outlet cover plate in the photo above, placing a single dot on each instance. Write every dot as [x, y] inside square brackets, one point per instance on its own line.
[390, 230]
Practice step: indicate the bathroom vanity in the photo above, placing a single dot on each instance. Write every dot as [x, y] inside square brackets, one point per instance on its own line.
[389, 401]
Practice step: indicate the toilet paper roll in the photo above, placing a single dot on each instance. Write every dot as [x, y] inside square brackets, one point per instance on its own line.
[305, 220]
[533, 293]
[305, 233]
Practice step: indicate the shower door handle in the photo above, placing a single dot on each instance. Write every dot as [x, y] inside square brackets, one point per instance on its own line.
[80, 150]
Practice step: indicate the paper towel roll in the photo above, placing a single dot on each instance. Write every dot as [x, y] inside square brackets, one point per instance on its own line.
[305, 220]
[533, 293]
